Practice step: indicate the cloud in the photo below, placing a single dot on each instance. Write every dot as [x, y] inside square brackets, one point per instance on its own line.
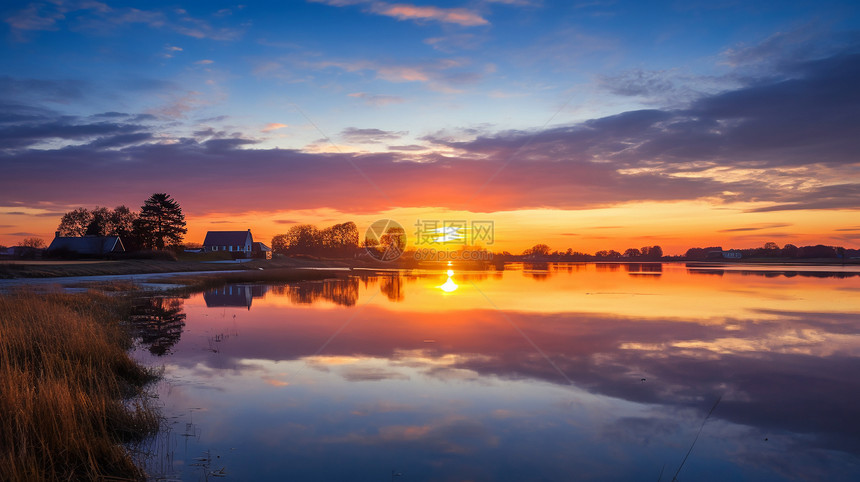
[369, 136]
[411, 147]
[92, 15]
[35, 17]
[755, 228]
[273, 126]
[39, 90]
[458, 16]
[67, 128]
[454, 42]
[659, 85]
[179, 106]
[443, 75]
[365, 374]
[377, 100]
[404, 11]
[788, 142]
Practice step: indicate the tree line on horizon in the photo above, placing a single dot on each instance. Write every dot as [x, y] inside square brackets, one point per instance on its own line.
[655, 253]
[307, 239]
[160, 223]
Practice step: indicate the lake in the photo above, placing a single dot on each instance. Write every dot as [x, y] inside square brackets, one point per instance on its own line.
[539, 372]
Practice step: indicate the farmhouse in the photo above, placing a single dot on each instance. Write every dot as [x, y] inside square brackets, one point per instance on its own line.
[85, 245]
[240, 242]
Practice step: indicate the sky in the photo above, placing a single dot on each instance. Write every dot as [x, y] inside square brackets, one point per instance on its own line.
[586, 125]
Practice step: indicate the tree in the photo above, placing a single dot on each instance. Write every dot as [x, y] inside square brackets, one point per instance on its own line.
[654, 252]
[632, 253]
[100, 222]
[161, 222]
[537, 250]
[343, 238]
[280, 244]
[122, 221]
[33, 242]
[393, 242]
[75, 223]
[790, 251]
[303, 239]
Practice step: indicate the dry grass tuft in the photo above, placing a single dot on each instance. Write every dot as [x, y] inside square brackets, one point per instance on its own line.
[70, 395]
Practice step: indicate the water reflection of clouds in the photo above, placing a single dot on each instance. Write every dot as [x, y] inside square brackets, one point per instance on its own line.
[781, 374]
[786, 375]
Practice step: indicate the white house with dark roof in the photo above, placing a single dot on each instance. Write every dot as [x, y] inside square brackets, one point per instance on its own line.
[240, 242]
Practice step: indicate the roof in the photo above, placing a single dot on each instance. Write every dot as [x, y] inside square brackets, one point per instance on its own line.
[227, 238]
[87, 244]
[261, 247]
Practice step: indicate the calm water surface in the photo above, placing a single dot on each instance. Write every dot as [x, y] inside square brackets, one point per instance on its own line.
[559, 372]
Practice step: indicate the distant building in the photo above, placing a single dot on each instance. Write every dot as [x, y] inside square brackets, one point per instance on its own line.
[239, 242]
[260, 250]
[85, 245]
[732, 254]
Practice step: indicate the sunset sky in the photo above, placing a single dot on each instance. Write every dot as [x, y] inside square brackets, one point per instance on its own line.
[581, 124]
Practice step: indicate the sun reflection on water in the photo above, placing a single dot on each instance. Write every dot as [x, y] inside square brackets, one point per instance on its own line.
[449, 286]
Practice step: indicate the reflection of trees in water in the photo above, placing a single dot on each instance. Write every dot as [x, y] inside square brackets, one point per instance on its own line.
[158, 323]
[537, 271]
[392, 287]
[340, 291]
[774, 274]
[644, 267]
[606, 267]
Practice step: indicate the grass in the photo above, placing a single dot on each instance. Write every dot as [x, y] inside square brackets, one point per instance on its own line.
[70, 395]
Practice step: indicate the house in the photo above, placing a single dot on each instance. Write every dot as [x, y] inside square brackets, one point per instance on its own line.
[260, 250]
[238, 242]
[85, 245]
[732, 254]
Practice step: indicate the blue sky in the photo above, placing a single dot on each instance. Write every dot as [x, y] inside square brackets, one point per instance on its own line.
[427, 83]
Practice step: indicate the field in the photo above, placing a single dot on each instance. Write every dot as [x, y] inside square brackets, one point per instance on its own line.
[70, 395]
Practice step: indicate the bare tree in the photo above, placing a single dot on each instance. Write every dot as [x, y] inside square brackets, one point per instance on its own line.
[33, 242]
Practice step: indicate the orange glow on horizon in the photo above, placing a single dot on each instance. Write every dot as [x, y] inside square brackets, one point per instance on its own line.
[674, 226]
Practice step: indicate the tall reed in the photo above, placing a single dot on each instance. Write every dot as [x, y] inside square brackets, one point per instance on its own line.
[70, 395]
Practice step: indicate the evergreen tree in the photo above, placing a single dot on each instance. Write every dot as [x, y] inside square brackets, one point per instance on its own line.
[161, 222]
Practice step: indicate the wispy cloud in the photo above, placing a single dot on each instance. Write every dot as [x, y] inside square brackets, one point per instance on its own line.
[93, 15]
[443, 75]
[404, 11]
[369, 136]
[376, 99]
[755, 228]
[273, 126]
